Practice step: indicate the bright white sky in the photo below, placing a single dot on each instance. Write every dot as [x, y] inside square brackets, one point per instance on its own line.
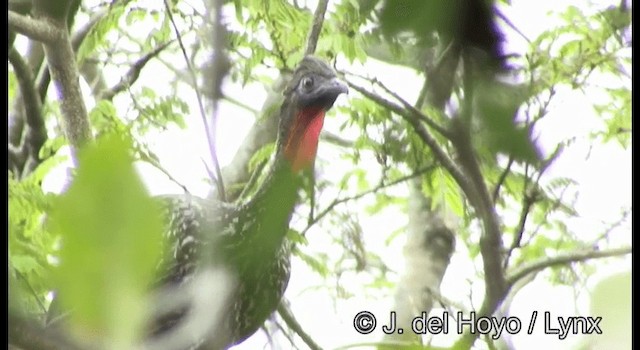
[603, 174]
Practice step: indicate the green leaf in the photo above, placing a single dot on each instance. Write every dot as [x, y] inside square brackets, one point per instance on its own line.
[297, 238]
[51, 146]
[154, 112]
[238, 10]
[315, 264]
[110, 229]
[104, 118]
[97, 37]
[135, 15]
[611, 300]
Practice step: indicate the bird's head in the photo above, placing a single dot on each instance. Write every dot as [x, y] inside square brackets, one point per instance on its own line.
[310, 94]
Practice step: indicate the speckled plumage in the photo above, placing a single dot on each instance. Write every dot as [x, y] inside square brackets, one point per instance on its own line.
[248, 239]
[261, 284]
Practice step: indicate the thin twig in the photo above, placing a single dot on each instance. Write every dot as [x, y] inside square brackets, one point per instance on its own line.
[209, 130]
[159, 166]
[287, 333]
[290, 320]
[510, 24]
[611, 227]
[556, 204]
[380, 186]
[422, 96]
[564, 259]
[528, 202]
[241, 105]
[407, 106]
[31, 289]
[134, 72]
[501, 179]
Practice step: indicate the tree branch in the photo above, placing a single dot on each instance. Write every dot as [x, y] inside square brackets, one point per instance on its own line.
[31, 141]
[316, 27]
[241, 104]
[290, 320]
[503, 176]
[64, 71]
[89, 68]
[427, 253]
[425, 136]
[332, 138]
[35, 29]
[15, 121]
[525, 272]
[472, 184]
[133, 74]
[36, 133]
[76, 40]
[510, 24]
[146, 158]
[412, 111]
[519, 231]
[491, 247]
[546, 262]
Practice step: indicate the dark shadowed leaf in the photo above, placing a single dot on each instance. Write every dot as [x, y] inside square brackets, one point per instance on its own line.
[419, 17]
[497, 105]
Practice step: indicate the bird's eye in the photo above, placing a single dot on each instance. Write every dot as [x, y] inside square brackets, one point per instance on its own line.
[307, 83]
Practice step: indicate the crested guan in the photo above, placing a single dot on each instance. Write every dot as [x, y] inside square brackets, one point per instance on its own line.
[249, 239]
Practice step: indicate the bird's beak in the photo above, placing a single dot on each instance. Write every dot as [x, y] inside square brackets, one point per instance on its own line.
[326, 93]
[337, 87]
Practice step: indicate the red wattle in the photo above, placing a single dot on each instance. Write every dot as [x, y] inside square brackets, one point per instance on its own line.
[302, 152]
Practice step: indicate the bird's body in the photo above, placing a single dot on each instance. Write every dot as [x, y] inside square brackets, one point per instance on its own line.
[248, 239]
[261, 276]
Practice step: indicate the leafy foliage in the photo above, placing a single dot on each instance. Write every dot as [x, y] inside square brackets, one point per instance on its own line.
[99, 231]
[30, 243]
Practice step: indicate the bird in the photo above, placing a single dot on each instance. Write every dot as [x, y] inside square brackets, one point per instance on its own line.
[249, 239]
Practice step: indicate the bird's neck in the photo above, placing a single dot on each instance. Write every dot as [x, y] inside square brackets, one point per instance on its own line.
[301, 142]
[277, 196]
[269, 211]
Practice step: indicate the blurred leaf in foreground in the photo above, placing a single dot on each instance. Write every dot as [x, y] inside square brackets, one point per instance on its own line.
[111, 230]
